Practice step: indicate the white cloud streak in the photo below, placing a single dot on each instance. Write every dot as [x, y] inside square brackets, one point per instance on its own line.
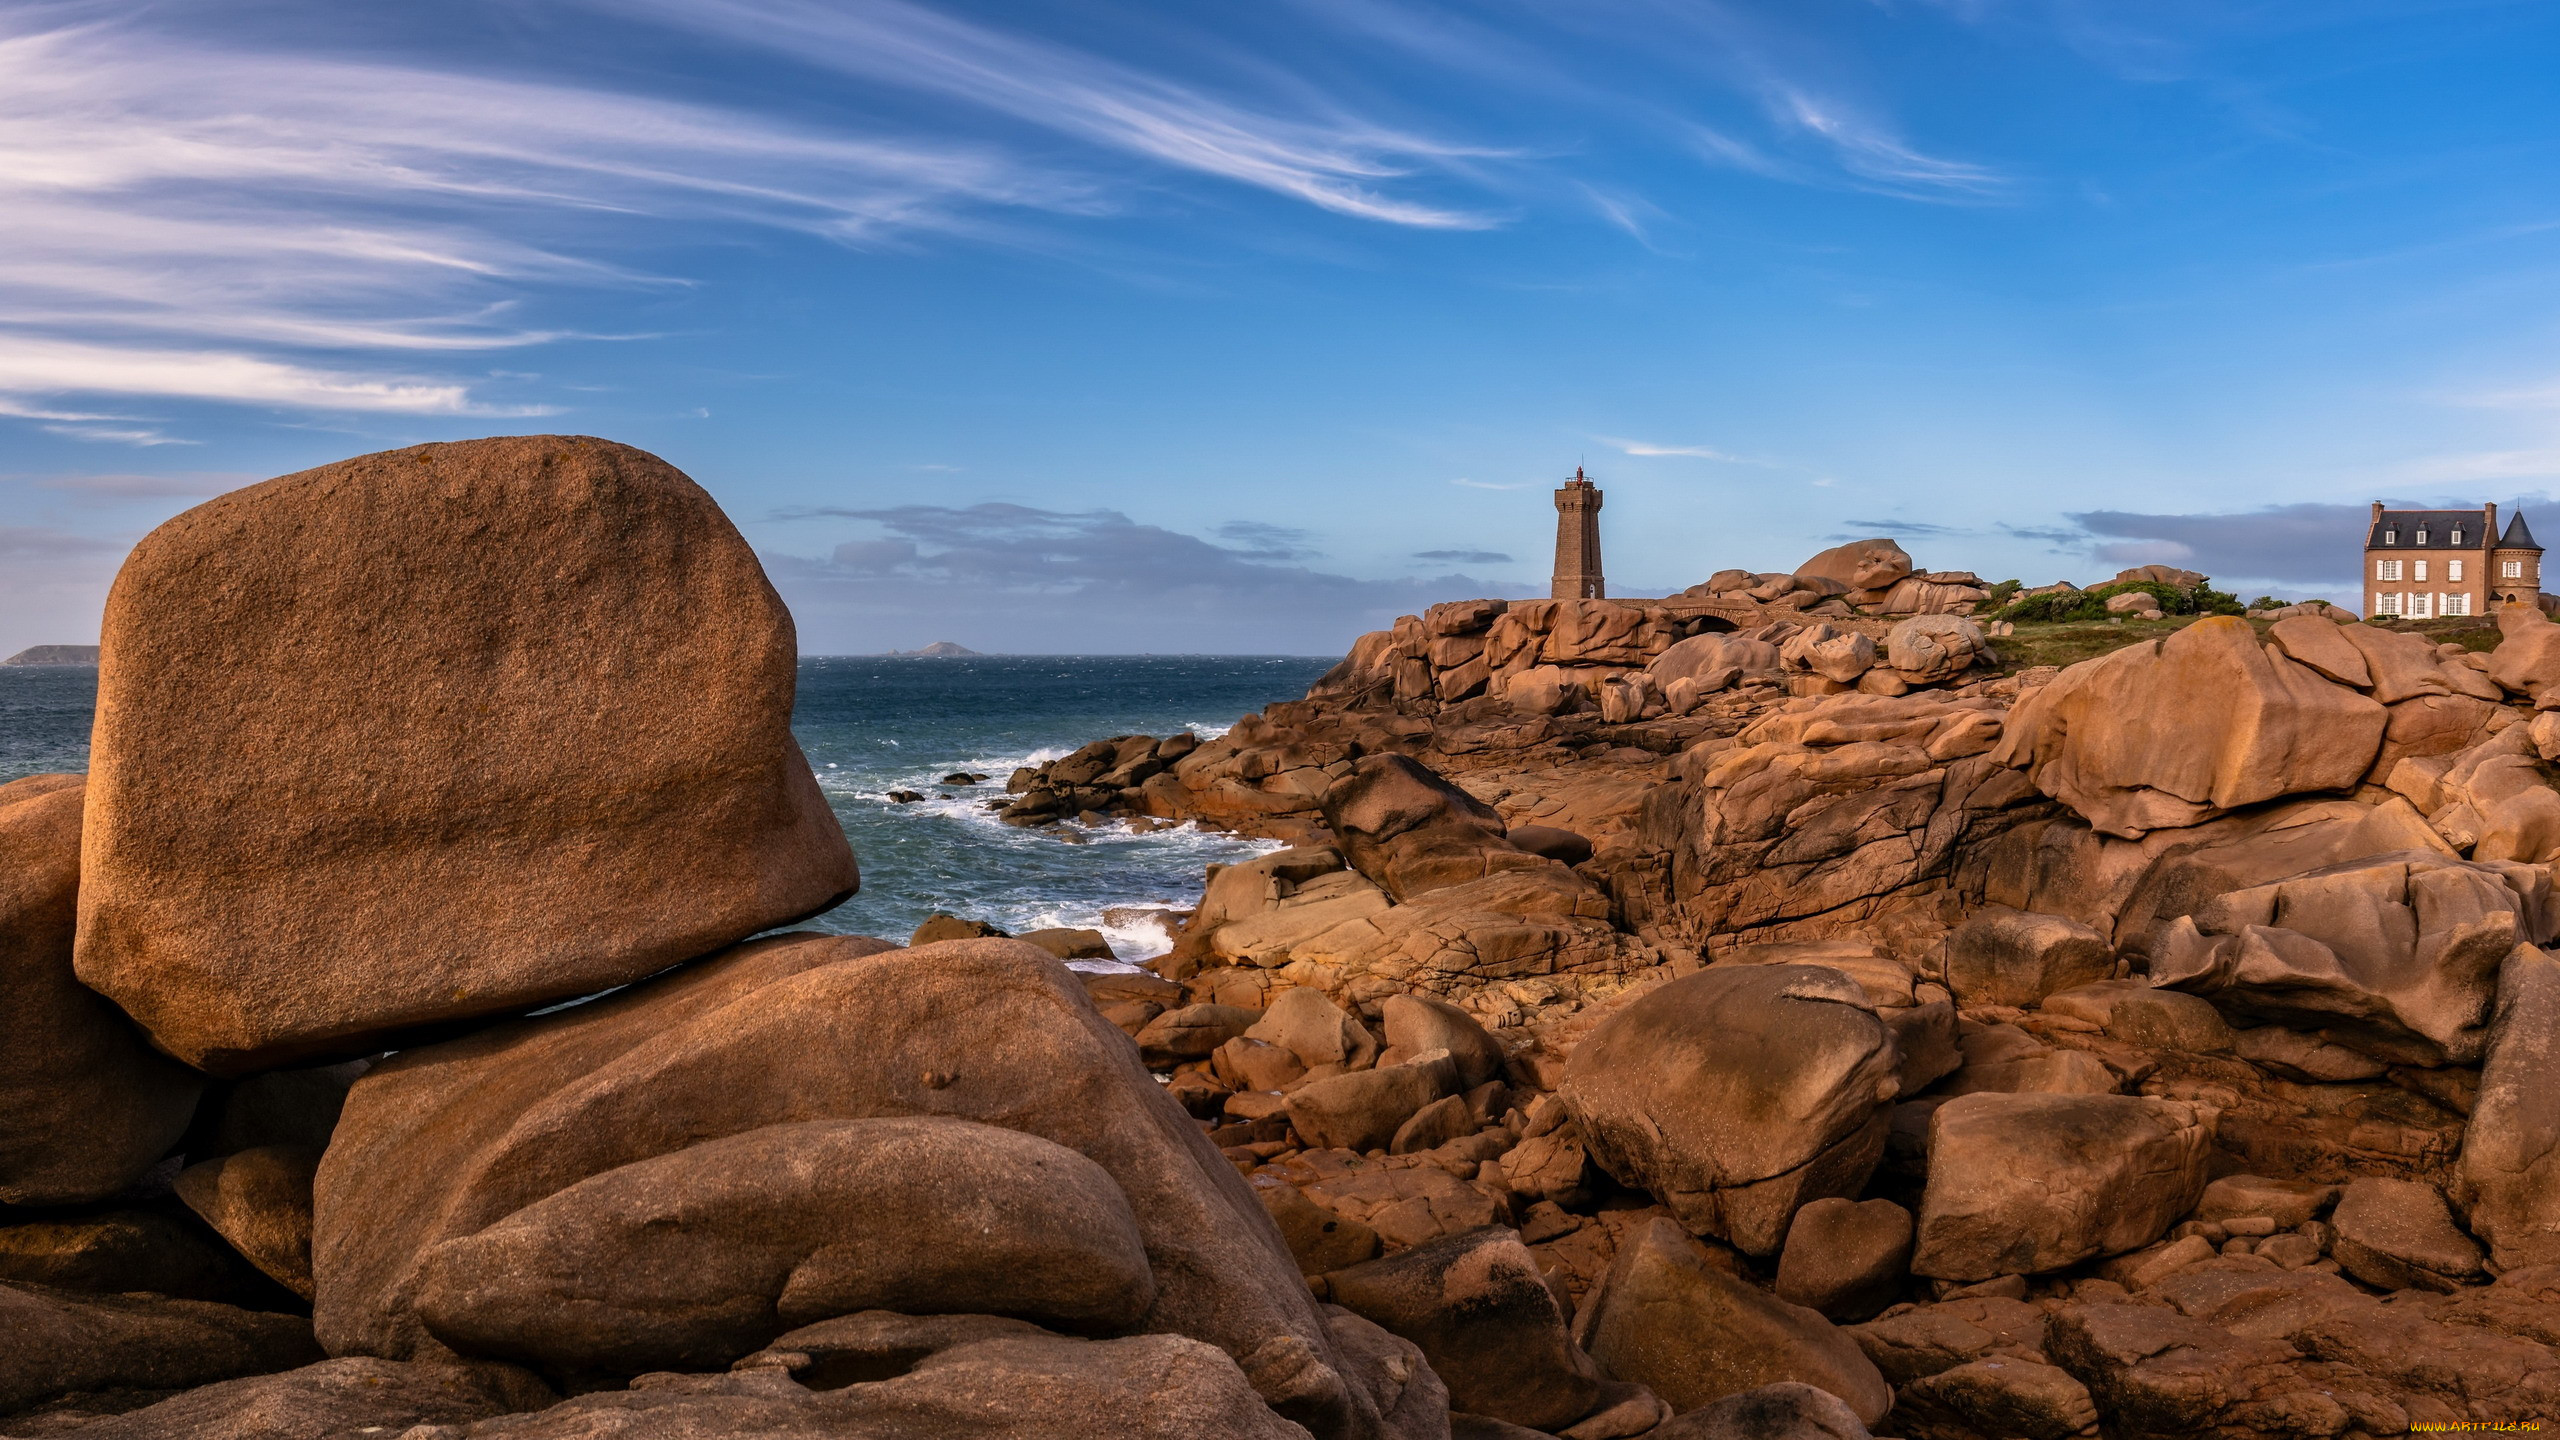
[177, 220]
[121, 435]
[33, 363]
[153, 194]
[1334, 162]
[1876, 159]
[1692, 452]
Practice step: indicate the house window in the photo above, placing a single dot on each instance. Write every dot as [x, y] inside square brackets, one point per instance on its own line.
[2416, 607]
[2421, 566]
[2510, 569]
[2385, 604]
[2457, 604]
[2422, 537]
[2453, 568]
[2390, 537]
[2386, 570]
[2457, 536]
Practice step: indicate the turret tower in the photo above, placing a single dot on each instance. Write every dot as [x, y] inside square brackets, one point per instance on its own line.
[2515, 566]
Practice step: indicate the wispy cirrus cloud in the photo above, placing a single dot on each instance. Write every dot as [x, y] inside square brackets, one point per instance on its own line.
[269, 228]
[1875, 158]
[1740, 87]
[1647, 449]
[34, 364]
[1328, 158]
[142, 435]
[156, 193]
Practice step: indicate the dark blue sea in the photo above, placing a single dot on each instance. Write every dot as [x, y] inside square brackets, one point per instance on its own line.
[871, 726]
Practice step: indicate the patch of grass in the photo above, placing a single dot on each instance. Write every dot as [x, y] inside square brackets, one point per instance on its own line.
[2468, 631]
[2072, 641]
[2069, 642]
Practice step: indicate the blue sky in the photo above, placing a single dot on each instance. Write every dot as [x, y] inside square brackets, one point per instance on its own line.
[1116, 327]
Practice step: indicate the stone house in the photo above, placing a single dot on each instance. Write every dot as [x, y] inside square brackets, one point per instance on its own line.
[2422, 564]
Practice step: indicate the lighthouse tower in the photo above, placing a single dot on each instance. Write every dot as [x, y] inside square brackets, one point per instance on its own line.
[1578, 541]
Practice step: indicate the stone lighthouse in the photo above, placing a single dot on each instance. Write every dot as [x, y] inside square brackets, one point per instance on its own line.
[1578, 541]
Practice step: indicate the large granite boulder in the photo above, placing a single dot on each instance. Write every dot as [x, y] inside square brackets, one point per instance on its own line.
[1586, 632]
[1737, 1094]
[1315, 1031]
[60, 1343]
[1930, 649]
[1788, 1410]
[1413, 832]
[1033, 1386]
[1997, 1397]
[330, 1400]
[2398, 1235]
[2510, 1170]
[86, 1105]
[1479, 1311]
[2000, 956]
[1847, 1259]
[2180, 730]
[489, 725]
[1834, 655]
[1364, 1109]
[1668, 1317]
[451, 1159]
[1860, 565]
[2397, 955]
[2024, 1184]
[1713, 662]
[259, 1200]
[1419, 1024]
[126, 1249]
[2527, 660]
[689, 1260]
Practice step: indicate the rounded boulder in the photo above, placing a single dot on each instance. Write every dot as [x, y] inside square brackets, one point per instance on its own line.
[1737, 1094]
[439, 733]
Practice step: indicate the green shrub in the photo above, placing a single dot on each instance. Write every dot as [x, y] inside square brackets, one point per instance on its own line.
[2091, 604]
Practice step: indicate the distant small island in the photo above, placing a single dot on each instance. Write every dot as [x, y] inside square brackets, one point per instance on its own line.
[60, 655]
[938, 650]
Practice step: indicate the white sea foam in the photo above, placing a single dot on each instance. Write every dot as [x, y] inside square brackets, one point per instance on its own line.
[948, 851]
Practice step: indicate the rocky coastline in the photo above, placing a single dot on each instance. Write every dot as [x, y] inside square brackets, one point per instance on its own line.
[1767, 1013]
[2042, 1043]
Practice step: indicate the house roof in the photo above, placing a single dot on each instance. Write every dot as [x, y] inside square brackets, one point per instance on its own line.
[2518, 537]
[2440, 527]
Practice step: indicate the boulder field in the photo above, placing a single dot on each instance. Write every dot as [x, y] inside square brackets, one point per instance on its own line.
[2160, 1045]
[1753, 1015]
